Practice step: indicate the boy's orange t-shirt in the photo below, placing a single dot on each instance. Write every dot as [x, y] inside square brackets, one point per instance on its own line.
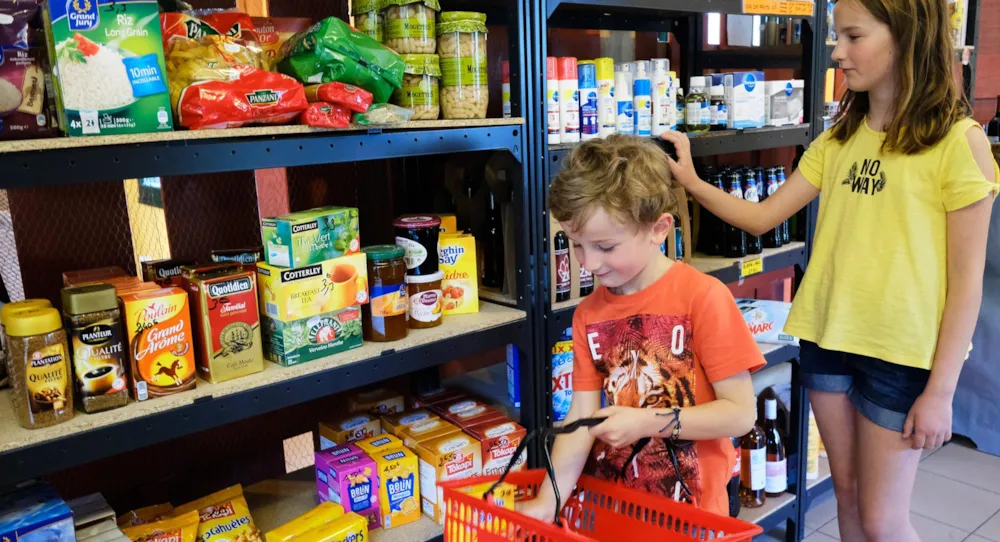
[658, 348]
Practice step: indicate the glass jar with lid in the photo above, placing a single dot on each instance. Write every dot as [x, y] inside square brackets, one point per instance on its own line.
[384, 317]
[39, 367]
[425, 295]
[93, 321]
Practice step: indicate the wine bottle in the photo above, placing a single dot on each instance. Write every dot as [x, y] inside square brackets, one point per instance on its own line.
[993, 128]
[753, 474]
[776, 465]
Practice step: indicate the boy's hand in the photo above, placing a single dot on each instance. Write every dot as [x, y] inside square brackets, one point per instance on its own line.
[624, 425]
[683, 167]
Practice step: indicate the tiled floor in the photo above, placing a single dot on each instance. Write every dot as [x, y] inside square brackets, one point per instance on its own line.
[956, 499]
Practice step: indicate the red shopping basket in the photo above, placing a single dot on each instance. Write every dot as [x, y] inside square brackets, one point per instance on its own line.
[597, 510]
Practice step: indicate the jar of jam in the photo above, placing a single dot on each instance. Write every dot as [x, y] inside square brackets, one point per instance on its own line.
[418, 235]
[384, 317]
[424, 292]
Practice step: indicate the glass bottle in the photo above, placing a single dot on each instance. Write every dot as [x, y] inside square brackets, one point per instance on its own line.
[776, 465]
[753, 465]
[697, 115]
[492, 274]
[564, 282]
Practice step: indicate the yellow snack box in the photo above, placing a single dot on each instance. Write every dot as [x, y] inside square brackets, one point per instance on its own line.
[503, 495]
[224, 511]
[378, 402]
[451, 457]
[348, 528]
[427, 429]
[460, 287]
[317, 517]
[379, 443]
[399, 487]
[179, 528]
[394, 423]
[303, 292]
[350, 429]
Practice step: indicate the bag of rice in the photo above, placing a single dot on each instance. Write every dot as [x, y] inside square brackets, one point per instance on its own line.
[25, 108]
[333, 51]
[254, 97]
[224, 511]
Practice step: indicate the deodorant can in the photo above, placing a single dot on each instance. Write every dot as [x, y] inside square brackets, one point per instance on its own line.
[623, 95]
[569, 101]
[643, 105]
[587, 76]
[607, 109]
[552, 100]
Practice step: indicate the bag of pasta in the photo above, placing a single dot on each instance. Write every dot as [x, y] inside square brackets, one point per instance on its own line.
[209, 58]
[224, 511]
[200, 23]
[181, 528]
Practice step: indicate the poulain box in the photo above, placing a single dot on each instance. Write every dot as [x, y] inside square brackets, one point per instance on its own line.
[158, 327]
[227, 326]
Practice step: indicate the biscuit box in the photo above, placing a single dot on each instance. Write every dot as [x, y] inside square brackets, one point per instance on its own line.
[379, 402]
[498, 442]
[351, 482]
[451, 457]
[427, 429]
[440, 395]
[227, 326]
[460, 286]
[394, 423]
[399, 487]
[450, 408]
[158, 327]
[308, 237]
[348, 528]
[303, 292]
[475, 415]
[325, 513]
[350, 429]
[379, 443]
[308, 339]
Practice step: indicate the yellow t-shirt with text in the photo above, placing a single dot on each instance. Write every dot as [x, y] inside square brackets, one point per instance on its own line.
[877, 277]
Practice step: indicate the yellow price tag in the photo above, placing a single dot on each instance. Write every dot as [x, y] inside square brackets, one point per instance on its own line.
[751, 267]
[793, 8]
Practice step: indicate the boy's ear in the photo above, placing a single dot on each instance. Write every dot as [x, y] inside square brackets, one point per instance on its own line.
[662, 227]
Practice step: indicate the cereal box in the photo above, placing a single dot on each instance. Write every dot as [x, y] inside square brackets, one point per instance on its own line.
[499, 440]
[427, 429]
[349, 528]
[439, 395]
[224, 511]
[164, 272]
[460, 287]
[394, 423]
[399, 487]
[303, 292]
[350, 429]
[309, 237]
[378, 402]
[475, 415]
[351, 482]
[379, 443]
[227, 326]
[307, 339]
[451, 457]
[158, 326]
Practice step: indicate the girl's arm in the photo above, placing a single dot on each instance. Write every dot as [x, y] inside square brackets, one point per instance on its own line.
[754, 218]
[929, 421]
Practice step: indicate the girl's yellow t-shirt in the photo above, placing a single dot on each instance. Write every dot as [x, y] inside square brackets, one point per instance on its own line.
[877, 277]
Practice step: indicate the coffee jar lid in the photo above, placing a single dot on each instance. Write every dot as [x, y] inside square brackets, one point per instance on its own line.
[90, 298]
[11, 308]
[30, 322]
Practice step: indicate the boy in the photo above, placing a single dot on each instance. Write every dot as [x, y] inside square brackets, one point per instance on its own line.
[665, 343]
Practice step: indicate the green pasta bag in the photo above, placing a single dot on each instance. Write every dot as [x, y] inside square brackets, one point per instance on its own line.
[332, 51]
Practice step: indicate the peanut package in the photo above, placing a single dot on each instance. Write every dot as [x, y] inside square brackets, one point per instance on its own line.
[350, 429]
[451, 457]
[178, 528]
[394, 423]
[224, 512]
[399, 486]
[351, 482]
[158, 328]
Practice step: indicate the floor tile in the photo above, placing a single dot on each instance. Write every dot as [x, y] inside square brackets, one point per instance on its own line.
[953, 503]
[991, 529]
[929, 530]
[831, 529]
[965, 465]
[976, 538]
[818, 537]
[821, 511]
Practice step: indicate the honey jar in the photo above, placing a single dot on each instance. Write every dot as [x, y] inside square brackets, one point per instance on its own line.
[384, 317]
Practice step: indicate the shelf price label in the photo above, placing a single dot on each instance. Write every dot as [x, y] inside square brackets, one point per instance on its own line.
[792, 8]
[751, 267]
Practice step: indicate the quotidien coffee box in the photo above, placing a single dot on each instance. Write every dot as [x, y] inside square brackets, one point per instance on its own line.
[452, 457]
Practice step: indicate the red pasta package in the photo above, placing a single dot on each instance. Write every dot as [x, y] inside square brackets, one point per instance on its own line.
[354, 98]
[197, 24]
[324, 115]
[255, 97]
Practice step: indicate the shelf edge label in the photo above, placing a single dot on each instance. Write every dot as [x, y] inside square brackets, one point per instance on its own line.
[794, 8]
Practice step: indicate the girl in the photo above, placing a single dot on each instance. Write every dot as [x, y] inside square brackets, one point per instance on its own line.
[887, 307]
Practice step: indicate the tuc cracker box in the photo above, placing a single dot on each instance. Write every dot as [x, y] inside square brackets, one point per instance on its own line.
[425, 430]
[227, 325]
[308, 339]
[379, 443]
[319, 516]
[353, 428]
[399, 486]
[378, 401]
[158, 328]
[308, 237]
[460, 286]
[499, 440]
[451, 457]
[394, 423]
[351, 482]
[302, 292]
[348, 528]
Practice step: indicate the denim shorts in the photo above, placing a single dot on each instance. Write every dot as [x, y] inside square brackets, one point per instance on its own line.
[881, 391]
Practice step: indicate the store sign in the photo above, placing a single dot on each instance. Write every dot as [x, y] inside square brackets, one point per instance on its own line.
[792, 8]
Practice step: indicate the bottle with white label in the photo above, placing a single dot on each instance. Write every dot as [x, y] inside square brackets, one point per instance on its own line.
[662, 104]
[505, 87]
[569, 101]
[552, 100]
[753, 464]
[697, 114]
[607, 109]
[672, 101]
[623, 95]
[587, 77]
[642, 103]
[720, 111]
[777, 465]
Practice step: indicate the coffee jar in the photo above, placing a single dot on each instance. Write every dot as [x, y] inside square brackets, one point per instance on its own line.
[5, 310]
[39, 367]
[93, 321]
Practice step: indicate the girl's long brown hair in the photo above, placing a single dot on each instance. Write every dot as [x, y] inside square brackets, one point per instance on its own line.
[928, 100]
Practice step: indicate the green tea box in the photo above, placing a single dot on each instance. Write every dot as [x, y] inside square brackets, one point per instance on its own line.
[310, 237]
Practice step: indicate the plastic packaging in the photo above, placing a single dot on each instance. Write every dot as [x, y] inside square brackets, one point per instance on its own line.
[354, 98]
[697, 115]
[254, 97]
[569, 101]
[587, 77]
[607, 120]
[420, 87]
[209, 58]
[562, 376]
[326, 115]
[643, 104]
[505, 88]
[720, 112]
[201, 23]
[662, 104]
[464, 70]
[409, 25]
[384, 114]
[766, 320]
[623, 94]
[552, 99]
[672, 101]
[368, 19]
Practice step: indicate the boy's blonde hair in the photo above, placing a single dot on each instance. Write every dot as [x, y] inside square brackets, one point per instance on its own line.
[628, 177]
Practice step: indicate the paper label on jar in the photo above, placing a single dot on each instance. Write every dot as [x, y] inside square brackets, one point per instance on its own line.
[463, 71]
[409, 28]
[424, 94]
[416, 254]
[426, 306]
[47, 377]
[388, 301]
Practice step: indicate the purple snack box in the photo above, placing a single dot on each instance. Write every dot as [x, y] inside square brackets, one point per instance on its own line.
[350, 480]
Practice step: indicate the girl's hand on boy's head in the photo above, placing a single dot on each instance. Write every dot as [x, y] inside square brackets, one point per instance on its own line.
[623, 426]
[683, 167]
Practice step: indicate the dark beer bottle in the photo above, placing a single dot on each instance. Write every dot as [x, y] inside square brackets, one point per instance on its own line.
[564, 278]
[750, 194]
[493, 247]
[785, 234]
[714, 234]
[735, 240]
[772, 238]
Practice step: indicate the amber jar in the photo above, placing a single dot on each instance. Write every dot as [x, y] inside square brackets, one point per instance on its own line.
[40, 368]
[424, 292]
[384, 317]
